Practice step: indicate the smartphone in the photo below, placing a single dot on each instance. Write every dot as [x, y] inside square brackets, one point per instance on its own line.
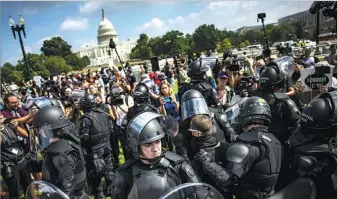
[167, 99]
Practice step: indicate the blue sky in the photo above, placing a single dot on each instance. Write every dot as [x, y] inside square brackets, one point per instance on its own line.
[77, 22]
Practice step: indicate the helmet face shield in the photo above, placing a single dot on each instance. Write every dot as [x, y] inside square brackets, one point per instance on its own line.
[194, 106]
[45, 134]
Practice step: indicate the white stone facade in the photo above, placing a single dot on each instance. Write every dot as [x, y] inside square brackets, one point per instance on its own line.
[98, 55]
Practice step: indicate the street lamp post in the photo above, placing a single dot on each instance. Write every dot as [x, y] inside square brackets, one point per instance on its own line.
[19, 29]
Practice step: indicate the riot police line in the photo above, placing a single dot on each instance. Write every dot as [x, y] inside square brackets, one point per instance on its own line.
[263, 148]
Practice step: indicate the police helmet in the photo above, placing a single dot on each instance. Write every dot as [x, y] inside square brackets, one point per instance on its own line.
[89, 101]
[144, 128]
[196, 68]
[254, 110]
[141, 92]
[48, 122]
[193, 103]
[320, 115]
[271, 77]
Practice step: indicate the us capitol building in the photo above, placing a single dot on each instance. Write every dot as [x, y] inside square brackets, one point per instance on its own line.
[98, 55]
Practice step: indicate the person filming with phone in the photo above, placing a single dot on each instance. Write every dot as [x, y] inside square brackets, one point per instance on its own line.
[169, 105]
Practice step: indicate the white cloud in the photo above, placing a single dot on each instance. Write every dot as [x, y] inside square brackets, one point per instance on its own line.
[155, 24]
[74, 24]
[224, 14]
[90, 7]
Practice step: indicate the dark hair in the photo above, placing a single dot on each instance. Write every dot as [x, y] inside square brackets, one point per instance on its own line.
[8, 96]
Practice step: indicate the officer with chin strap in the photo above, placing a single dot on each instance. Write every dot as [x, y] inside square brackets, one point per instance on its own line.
[142, 103]
[63, 163]
[192, 104]
[313, 149]
[284, 111]
[95, 139]
[197, 72]
[253, 160]
[165, 169]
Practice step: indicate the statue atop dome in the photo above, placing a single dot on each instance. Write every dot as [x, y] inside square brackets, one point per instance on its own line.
[103, 15]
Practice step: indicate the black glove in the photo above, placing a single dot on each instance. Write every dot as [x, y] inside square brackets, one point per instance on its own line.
[202, 156]
[99, 164]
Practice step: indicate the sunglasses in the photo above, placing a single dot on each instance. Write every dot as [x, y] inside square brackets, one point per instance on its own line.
[192, 130]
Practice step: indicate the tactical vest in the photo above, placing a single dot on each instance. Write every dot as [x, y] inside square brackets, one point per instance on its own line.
[66, 148]
[139, 108]
[153, 183]
[264, 173]
[11, 150]
[99, 134]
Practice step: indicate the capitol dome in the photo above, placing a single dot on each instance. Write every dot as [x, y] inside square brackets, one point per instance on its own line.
[106, 31]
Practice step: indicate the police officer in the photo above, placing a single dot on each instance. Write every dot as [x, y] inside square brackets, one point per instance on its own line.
[201, 127]
[142, 103]
[284, 111]
[193, 103]
[253, 160]
[151, 171]
[95, 138]
[197, 73]
[63, 163]
[14, 168]
[315, 145]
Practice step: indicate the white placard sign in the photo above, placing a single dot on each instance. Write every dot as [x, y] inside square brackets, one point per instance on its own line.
[310, 81]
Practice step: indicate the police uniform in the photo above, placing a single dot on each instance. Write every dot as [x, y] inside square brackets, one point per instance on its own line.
[253, 160]
[136, 179]
[13, 163]
[63, 164]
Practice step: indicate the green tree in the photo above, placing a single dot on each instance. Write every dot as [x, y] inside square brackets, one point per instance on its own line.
[56, 46]
[224, 45]
[142, 50]
[6, 70]
[205, 37]
[86, 61]
[56, 65]
[298, 27]
[156, 45]
[174, 43]
[242, 45]
[247, 43]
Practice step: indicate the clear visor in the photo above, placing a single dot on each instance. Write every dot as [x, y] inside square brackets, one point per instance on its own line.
[45, 134]
[195, 106]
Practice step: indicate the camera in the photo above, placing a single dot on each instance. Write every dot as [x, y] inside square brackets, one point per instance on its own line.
[236, 63]
[115, 96]
[261, 15]
[246, 83]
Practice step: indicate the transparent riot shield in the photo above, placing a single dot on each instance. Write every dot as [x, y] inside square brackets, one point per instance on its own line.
[193, 191]
[44, 190]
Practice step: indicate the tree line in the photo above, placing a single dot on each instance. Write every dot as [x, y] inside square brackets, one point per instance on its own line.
[206, 37]
[56, 57]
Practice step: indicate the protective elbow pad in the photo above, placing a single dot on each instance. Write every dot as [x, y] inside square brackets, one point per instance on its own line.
[215, 171]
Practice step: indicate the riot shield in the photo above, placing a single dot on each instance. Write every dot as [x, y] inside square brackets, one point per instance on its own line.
[44, 190]
[286, 65]
[193, 191]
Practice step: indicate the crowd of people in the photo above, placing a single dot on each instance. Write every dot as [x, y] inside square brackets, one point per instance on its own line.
[174, 126]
